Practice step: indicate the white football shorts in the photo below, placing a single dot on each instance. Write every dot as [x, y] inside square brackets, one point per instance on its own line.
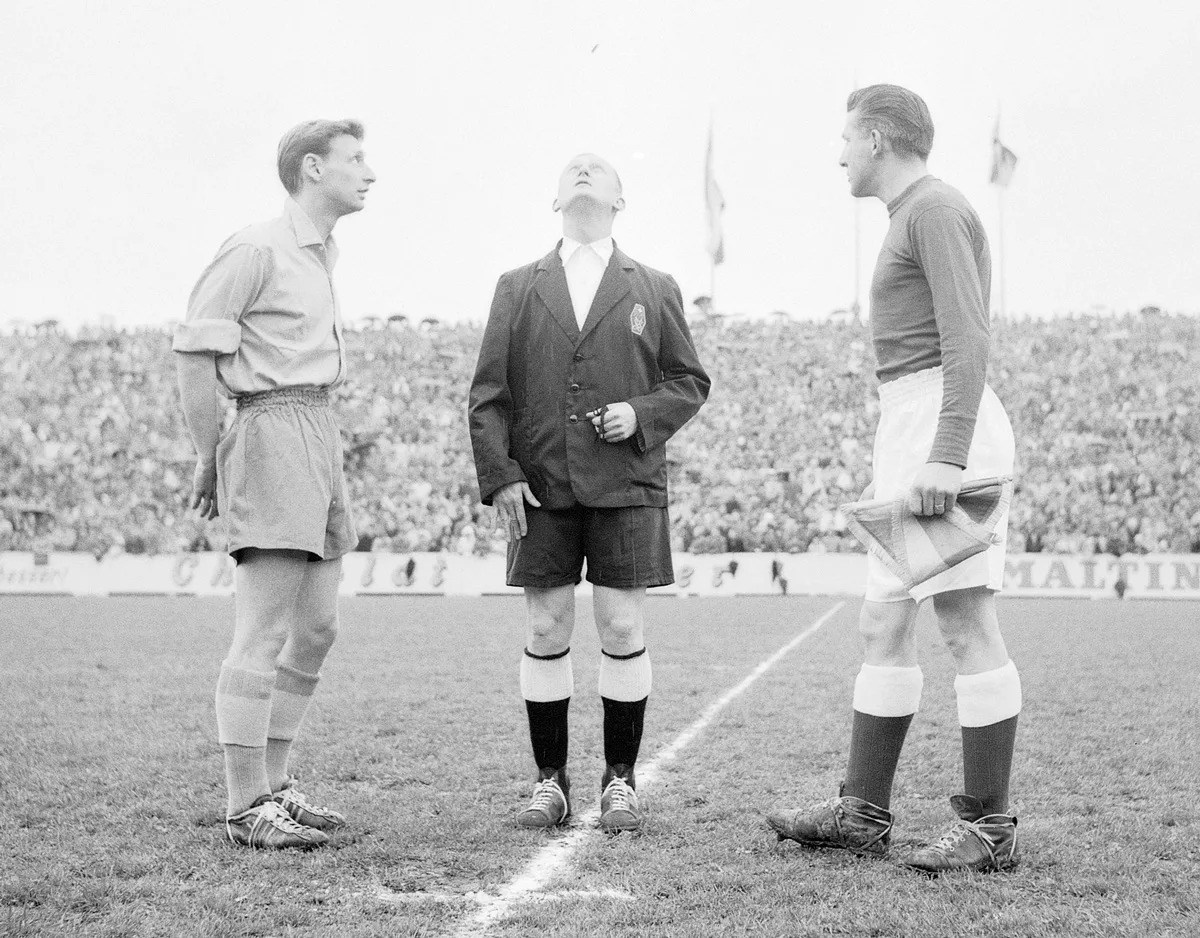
[908, 418]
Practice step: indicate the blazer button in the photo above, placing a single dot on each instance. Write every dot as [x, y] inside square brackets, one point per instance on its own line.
[574, 387]
[573, 419]
[578, 358]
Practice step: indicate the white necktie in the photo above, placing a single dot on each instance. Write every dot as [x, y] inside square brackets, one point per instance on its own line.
[585, 268]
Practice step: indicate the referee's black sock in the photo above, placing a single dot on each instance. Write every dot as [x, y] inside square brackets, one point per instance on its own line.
[548, 733]
[625, 681]
[623, 721]
[547, 682]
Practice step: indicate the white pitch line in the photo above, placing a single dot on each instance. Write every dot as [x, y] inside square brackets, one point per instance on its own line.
[550, 859]
[449, 898]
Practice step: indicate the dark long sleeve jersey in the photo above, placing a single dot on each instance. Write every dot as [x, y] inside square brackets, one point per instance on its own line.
[929, 305]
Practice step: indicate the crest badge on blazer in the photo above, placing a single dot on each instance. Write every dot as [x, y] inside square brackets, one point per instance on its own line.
[637, 318]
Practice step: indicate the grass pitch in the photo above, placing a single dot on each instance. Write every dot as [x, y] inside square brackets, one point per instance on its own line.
[112, 803]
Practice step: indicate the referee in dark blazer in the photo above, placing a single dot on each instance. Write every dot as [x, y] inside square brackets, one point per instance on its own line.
[587, 368]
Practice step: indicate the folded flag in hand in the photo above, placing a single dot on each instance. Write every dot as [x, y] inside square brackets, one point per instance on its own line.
[917, 547]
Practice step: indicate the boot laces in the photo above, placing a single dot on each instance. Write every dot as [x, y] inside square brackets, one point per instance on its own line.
[545, 795]
[618, 792]
[277, 817]
[303, 801]
[953, 837]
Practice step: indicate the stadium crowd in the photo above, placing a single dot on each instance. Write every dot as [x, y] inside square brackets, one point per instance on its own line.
[95, 457]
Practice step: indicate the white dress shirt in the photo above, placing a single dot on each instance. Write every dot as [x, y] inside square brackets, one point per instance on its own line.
[584, 265]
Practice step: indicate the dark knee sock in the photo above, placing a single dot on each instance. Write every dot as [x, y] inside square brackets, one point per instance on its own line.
[885, 700]
[875, 744]
[988, 706]
[548, 732]
[987, 763]
[623, 721]
[625, 682]
[547, 682]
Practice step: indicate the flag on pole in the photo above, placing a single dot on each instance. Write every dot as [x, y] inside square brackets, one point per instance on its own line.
[714, 204]
[1004, 161]
[918, 547]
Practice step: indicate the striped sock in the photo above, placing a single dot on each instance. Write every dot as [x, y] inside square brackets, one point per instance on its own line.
[625, 682]
[243, 713]
[289, 702]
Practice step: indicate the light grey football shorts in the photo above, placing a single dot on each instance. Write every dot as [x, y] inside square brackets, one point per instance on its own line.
[279, 476]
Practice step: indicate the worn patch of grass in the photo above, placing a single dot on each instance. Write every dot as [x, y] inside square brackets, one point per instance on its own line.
[111, 778]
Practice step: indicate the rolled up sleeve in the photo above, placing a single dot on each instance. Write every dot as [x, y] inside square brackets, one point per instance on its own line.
[222, 295]
[219, 336]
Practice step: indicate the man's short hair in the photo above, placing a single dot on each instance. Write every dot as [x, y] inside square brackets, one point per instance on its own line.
[310, 137]
[901, 117]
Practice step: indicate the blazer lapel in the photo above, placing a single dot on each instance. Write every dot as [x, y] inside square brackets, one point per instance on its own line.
[614, 285]
[551, 286]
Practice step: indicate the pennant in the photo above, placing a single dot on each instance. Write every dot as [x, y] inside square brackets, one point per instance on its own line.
[714, 204]
[1004, 161]
[917, 547]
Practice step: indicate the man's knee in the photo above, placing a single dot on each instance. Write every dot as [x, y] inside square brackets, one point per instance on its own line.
[550, 620]
[622, 631]
[966, 618]
[884, 622]
[256, 645]
[320, 631]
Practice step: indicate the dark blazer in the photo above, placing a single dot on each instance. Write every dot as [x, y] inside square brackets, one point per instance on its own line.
[538, 374]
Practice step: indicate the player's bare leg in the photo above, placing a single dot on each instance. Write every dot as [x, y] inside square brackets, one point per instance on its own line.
[886, 695]
[547, 682]
[268, 582]
[625, 679]
[313, 631]
[989, 700]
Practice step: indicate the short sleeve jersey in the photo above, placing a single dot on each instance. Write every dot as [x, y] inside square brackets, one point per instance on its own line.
[929, 305]
[267, 309]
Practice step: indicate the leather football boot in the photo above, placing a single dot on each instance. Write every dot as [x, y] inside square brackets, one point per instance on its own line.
[551, 801]
[619, 808]
[844, 822]
[978, 842]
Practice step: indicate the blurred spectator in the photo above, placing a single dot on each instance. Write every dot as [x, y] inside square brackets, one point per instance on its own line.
[94, 456]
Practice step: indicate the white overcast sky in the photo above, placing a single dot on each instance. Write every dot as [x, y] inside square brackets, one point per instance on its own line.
[138, 135]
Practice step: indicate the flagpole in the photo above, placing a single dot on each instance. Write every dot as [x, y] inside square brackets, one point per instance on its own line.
[712, 285]
[1003, 307]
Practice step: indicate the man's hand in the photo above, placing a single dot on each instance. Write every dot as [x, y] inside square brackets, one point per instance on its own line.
[935, 489]
[204, 489]
[614, 422]
[510, 508]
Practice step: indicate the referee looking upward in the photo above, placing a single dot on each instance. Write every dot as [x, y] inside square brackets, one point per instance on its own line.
[586, 369]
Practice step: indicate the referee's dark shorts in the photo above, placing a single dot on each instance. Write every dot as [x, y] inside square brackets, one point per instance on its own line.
[625, 548]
